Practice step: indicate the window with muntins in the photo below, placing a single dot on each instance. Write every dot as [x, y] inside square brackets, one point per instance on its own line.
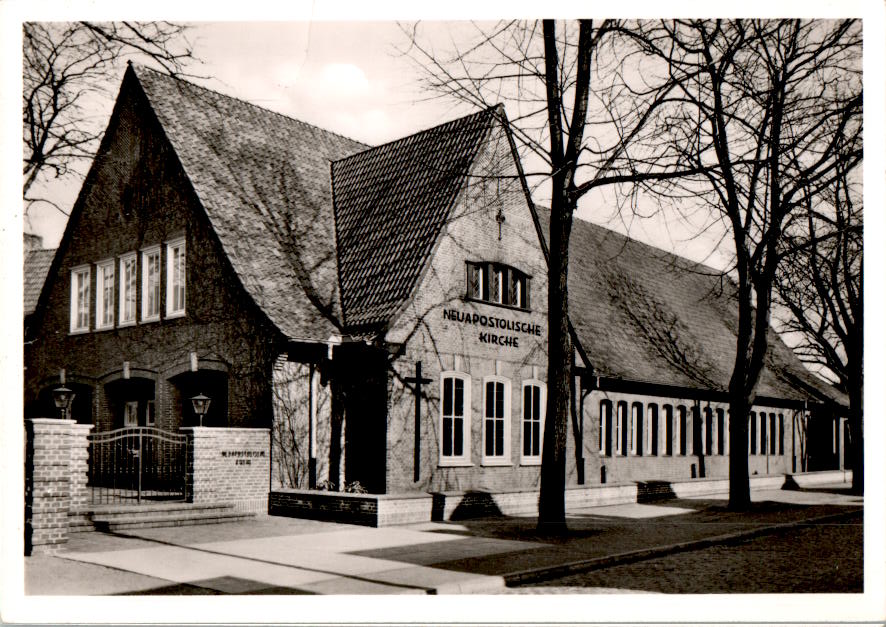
[498, 284]
[496, 392]
[128, 282]
[104, 289]
[533, 421]
[80, 279]
[151, 284]
[669, 430]
[455, 408]
[175, 278]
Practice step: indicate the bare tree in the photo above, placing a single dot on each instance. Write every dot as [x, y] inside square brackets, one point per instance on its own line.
[771, 112]
[740, 121]
[545, 70]
[67, 68]
[820, 284]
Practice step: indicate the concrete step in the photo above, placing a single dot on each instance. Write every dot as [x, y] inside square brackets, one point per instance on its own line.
[145, 522]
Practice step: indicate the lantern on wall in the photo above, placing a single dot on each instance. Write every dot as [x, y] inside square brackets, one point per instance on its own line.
[201, 406]
[63, 398]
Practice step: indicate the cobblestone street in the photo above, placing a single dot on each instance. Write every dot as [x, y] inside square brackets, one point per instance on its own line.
[817, 558]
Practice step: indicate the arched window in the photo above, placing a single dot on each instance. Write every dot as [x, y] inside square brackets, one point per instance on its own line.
[605, 427]
[455, 419]
[752, 434]
[621, 429]
[708, 431]
[637, 429]
[721, 432]
[669, 430]
[652, 429]
[533, 421]
[496, 420]
[681, 428]
[781, 434]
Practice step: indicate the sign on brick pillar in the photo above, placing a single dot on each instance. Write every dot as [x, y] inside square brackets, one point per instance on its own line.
[48, 484]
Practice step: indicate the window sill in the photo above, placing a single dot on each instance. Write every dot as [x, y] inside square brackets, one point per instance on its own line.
[78, 331]
[471, 299]
[175, 314]
[454, 463]
[496, 462]
[531, 461]
[123, 325]
[151, 319]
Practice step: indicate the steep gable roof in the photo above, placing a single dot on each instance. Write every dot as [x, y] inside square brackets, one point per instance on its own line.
[36, 266]
[263, 179]
[390, 204]
[643, 314]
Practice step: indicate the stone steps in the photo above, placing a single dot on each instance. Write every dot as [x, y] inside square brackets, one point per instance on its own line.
[122, 517]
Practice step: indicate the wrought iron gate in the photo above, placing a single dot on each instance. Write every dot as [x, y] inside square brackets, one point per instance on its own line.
[134, 463]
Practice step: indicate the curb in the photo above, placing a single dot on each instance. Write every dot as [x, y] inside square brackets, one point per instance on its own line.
[543, 573]
[482, 584]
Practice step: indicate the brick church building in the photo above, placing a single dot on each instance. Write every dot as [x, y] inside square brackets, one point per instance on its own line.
[304, 281]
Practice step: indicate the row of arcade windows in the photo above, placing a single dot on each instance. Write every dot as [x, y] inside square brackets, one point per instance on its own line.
[116, 285]
[638, 432]
[455, 420]
[685, 432]
[497, 284]
[770, 431]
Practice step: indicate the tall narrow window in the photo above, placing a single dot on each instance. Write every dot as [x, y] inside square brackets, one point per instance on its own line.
[773, 435]
[669, 430]
[175, 278]
[496, 447]
[104, 301]
[637, 429]
[652, 429]
[621, 429]
[128, 280]
[497, 285]
[695, 430]
[533, 421]
[477, 281]
[752, 433]
[151, 284]
[764, 441]
[721, 432]
[519, 293]
[455, 429]
[681, 428]
[605, 428]
[781, 434]
[708, 431]
[80, 279]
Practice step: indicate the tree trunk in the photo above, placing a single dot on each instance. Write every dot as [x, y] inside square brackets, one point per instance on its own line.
[856, 422]
[552, 498]
[739, 484]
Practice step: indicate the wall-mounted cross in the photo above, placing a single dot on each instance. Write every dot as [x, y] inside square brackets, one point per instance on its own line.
[500, 218]
[418, 381]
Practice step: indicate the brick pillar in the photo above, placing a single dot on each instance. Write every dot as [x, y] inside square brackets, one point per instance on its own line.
[202, 453]
[79, 473]
[48, 484]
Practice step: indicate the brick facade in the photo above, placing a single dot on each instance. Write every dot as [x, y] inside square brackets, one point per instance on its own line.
[137, 196]
[49, 482]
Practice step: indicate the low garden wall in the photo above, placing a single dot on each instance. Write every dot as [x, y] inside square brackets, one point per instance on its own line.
[374, 510]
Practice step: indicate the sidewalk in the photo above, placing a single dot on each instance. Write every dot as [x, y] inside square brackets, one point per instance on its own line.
[272, 555]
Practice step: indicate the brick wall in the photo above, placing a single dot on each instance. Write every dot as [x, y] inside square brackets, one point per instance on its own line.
[48, 484]
[374, 510]
[228, 465]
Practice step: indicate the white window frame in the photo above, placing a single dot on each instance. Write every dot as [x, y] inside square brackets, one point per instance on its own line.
[171, 246]
[505, 458]
[532, 460]
[76, 306]
[652, 429]
[122, 320]
[465, 458]
[146, 253]
[100, 287]
[130, 414]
